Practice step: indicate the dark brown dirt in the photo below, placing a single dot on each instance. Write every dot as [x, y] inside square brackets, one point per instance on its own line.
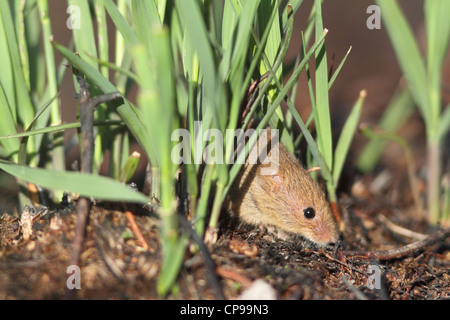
[116, 266]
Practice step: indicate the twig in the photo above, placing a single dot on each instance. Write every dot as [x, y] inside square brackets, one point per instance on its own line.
[400, 230]
[87, 106]
[230, 274]
[135, 228]
[389, 254]
[343, 264]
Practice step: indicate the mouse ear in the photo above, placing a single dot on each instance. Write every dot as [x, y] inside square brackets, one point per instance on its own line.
[271, 182]
[276, 178]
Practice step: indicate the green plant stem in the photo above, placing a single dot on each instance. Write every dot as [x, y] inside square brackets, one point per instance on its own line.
[49, 60]
[410, 165]
[58, 162]
[434, 171]
[21, 40]
[321, 111]
[204, 199]
[217, 204]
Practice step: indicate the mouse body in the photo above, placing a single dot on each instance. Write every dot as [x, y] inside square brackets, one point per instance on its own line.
[285, 197]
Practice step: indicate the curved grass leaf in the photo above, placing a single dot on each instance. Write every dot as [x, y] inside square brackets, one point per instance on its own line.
[346, 137]
[335, 74]
[408, 54]
[84, 38]
[6, 76]
[7, 124]
[88, 185]
[174, 251]
[26, 111]
[397, 113]
[57, 128]
[128, 33]
[437, 25]
[322, 108]
[197, 35]
[444, 125]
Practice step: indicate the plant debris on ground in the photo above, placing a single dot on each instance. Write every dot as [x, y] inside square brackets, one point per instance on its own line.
[115, 264]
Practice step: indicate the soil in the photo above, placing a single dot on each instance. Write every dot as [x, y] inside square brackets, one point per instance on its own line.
[116, 265]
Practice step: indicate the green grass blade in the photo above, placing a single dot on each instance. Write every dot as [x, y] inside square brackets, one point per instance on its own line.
[145, 18]
[49, 60]
[273, 44]
[335, 74]
[408, 55]
[128, 33]
[84, 38]
[444, 124]
[102, 36]
[85, 68]
[26, 111]
[295, 4]
[213, 107]
[35, 57]
[322, 110]
[121, 57]
[6, 76]
[58, 156]
[230, 19]
[398, 111]
[156, 100]
[58, 128]
[87, 185]
[162, 4]
[243, 33]
[129, 168]
[197, 35]
[157, 90]
[7, 125]
[175, 255]
[346, 137]
[19, 7]
[437, 25]
[109, 65]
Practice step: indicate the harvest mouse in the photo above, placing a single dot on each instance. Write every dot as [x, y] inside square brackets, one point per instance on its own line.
[287, 197]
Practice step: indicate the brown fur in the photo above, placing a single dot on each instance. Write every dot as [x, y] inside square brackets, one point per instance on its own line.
[279, 199]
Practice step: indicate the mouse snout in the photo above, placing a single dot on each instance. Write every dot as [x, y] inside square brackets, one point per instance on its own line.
[325, 233]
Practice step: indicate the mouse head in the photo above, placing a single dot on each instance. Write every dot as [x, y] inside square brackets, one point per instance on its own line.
[300, 206]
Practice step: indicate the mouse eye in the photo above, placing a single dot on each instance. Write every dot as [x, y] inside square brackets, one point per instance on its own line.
[309, 213]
